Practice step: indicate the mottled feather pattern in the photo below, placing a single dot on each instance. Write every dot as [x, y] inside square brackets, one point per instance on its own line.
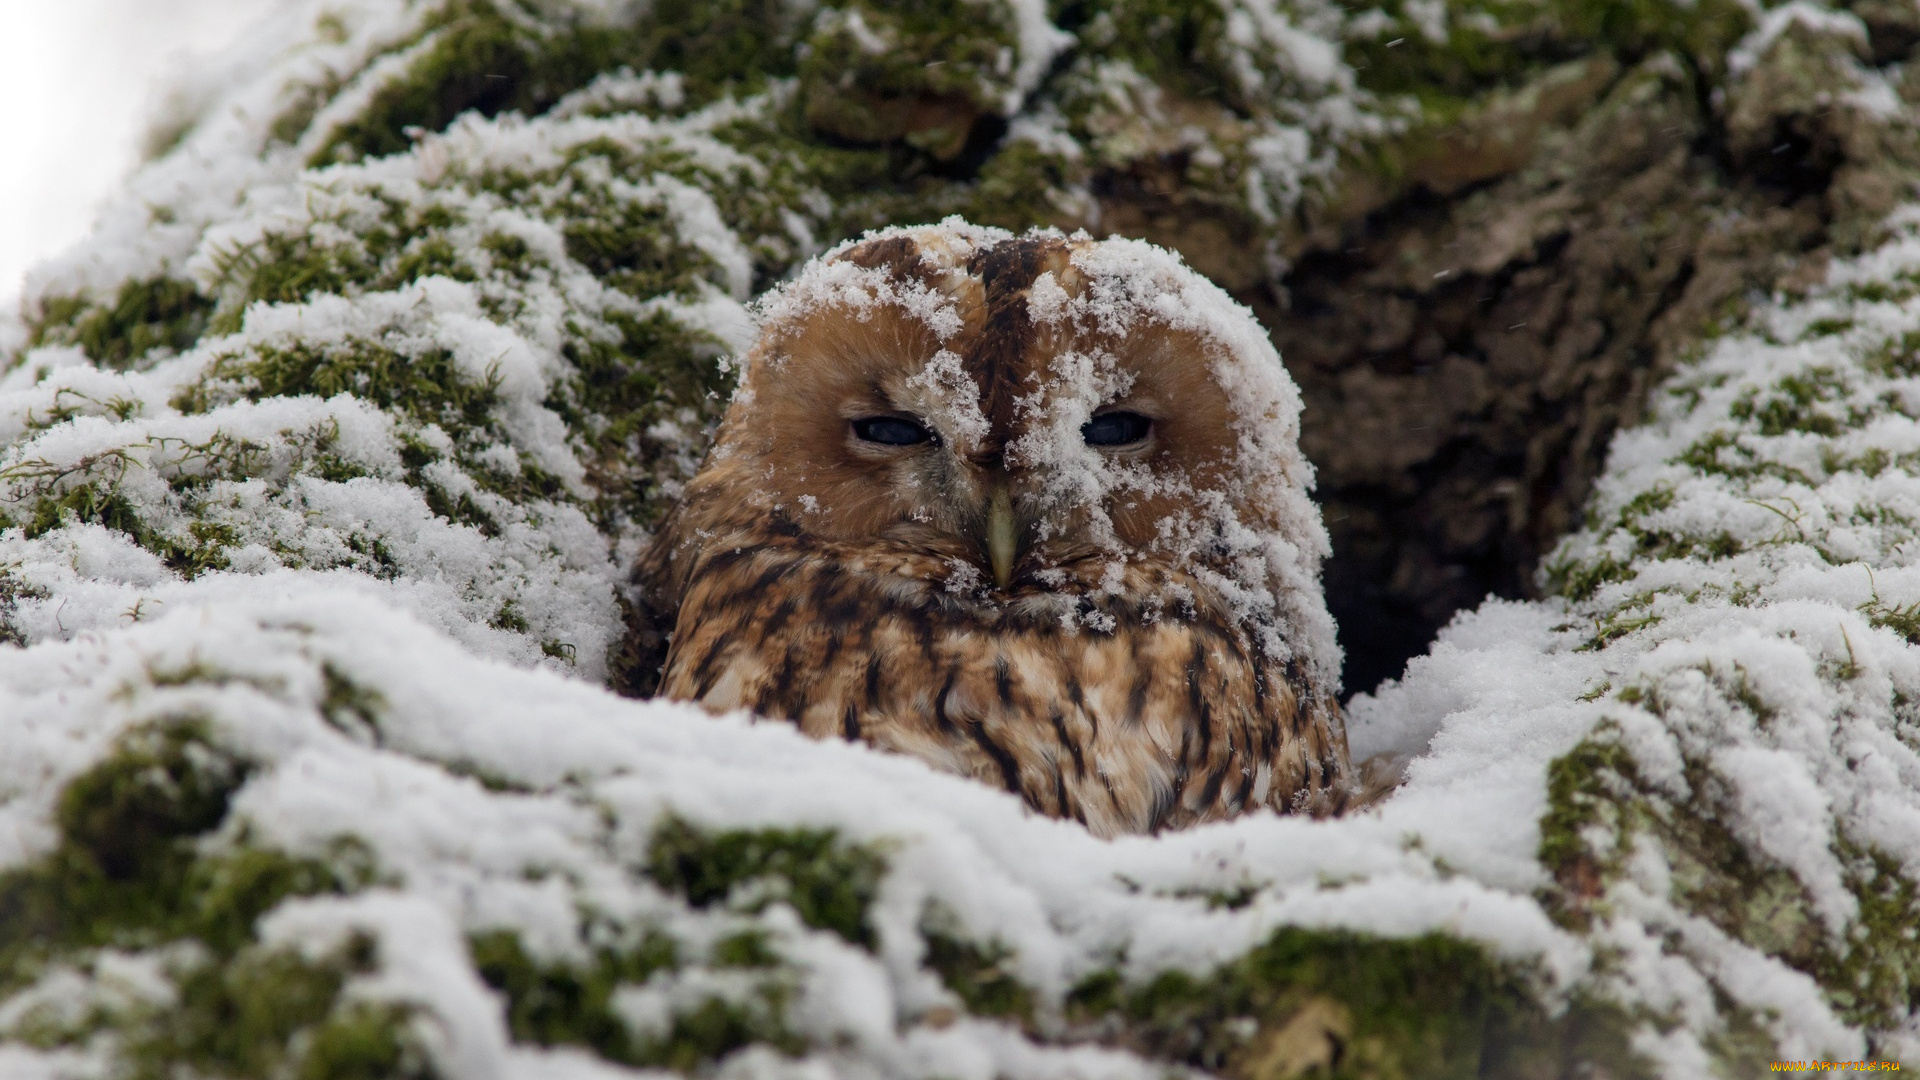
[947, 594]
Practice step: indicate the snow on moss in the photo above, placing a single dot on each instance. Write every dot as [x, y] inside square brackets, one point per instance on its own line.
[474, 369]
[498, 860]
[1735, 649]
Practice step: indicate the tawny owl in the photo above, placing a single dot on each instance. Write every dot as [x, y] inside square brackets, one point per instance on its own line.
[1029, 508]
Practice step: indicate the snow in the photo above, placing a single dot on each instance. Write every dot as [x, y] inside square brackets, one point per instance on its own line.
[181, 544]
[1766, 679]
[1774, 22]
[601, 769]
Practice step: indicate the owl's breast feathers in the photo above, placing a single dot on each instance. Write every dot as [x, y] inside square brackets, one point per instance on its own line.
[1169, 718]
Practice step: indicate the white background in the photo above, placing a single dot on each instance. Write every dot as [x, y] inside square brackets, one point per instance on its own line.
[78, 80]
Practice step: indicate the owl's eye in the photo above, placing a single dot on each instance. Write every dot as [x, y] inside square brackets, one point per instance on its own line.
[890, 431]
[1116, 429]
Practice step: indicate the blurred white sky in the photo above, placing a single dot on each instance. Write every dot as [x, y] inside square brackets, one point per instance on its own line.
[78, 79]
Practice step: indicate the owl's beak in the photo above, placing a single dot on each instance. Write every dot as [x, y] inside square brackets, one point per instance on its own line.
[1003, 536]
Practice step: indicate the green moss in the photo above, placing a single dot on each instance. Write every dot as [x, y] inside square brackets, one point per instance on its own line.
[1903, 620]
[636, 245]
[155, 313]
[350, 707]
[509, 618]
[1499, 44]
[1178, 43]
[1827, 327]
[1720, 453]
[129, 871]
[573, 1004]
[1352, 1005]
[719, 46]
[633, 247]
[431, 256]
[132, 870]
[364, 1041]
[1741, 891]
[479, 57]
[395, 242]
[429, 387]
[556, 1004]
[1704, 32]
[1578, 577]
[275, 1012]
[129, 813]
[644, 388]
[829, 883]
[46, 495]
[717, 1028]
[493, 57]
[12, 591]
[293, 120]
[1802, 402]
[1584, 789]
[283, 269]
[1876, 979]
[1014, 188]
[69, 403]
[1898, 357]
[979, 975]
[51, 498]
[1900, 286]
[1619, 623]
[622, 393]
[1870, 462]
[941, 69]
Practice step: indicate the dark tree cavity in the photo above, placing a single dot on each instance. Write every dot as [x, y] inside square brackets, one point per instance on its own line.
[1468, 340]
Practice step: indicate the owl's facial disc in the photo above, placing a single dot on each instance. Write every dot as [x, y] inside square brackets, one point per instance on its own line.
[954, 427]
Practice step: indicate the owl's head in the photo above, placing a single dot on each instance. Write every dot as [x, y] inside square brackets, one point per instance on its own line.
[1048, 424]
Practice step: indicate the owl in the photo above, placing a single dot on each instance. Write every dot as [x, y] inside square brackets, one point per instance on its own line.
[1029, 508]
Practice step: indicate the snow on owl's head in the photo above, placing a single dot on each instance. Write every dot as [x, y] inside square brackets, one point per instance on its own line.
[1042, 411]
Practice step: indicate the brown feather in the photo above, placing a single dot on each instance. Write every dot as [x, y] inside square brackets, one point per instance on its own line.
[813, 577]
